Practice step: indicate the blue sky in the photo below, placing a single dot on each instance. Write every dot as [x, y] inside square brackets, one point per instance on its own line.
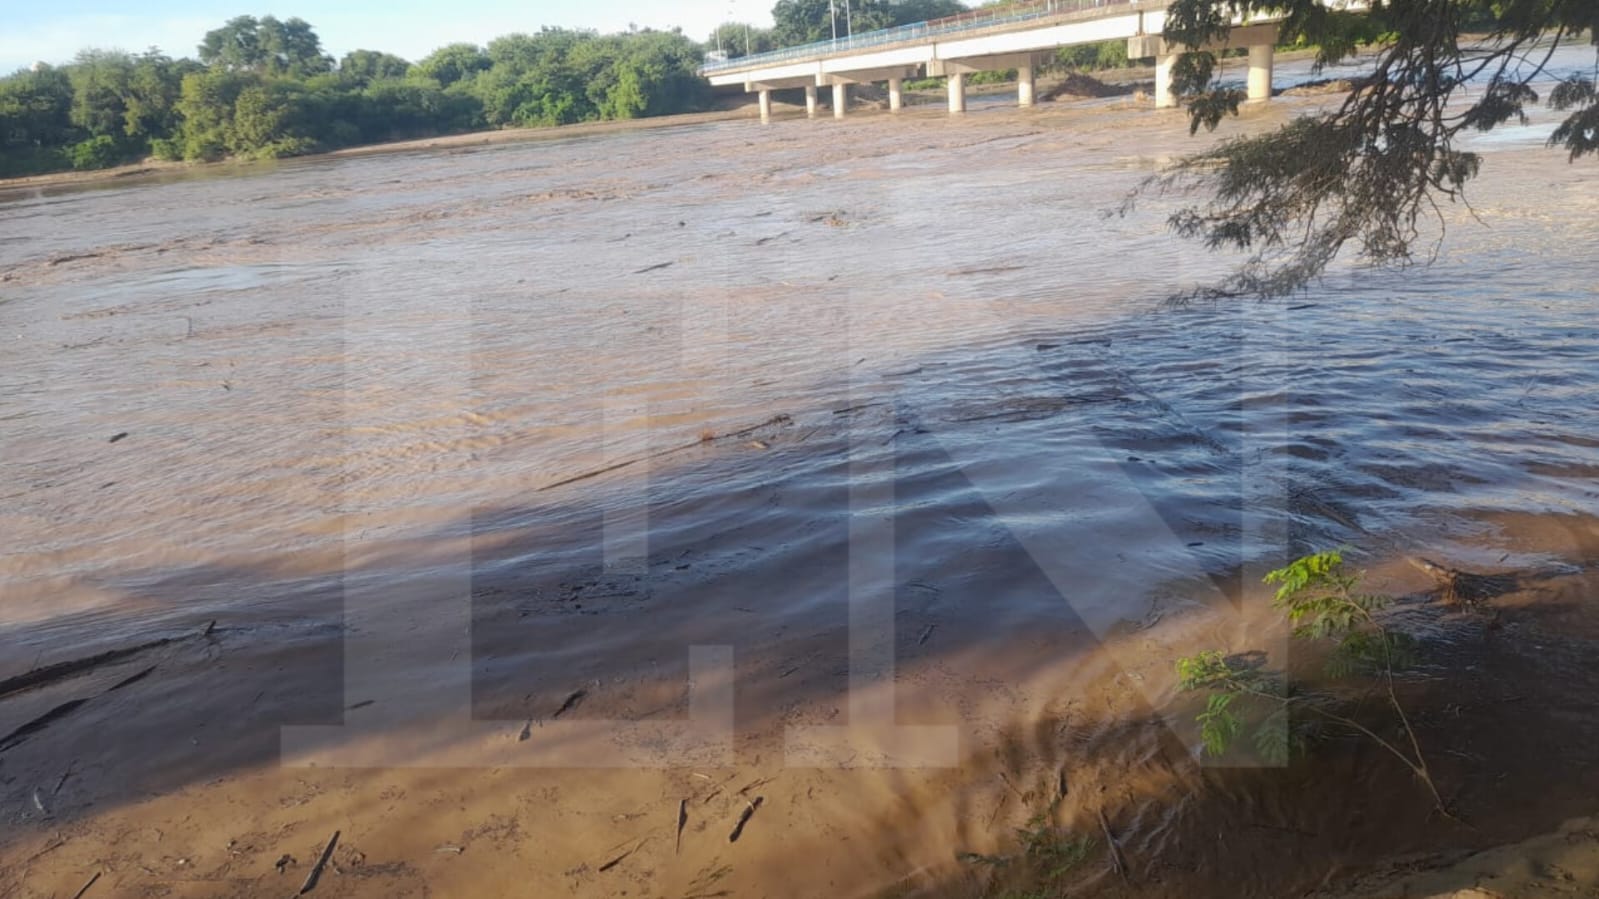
[54, 30]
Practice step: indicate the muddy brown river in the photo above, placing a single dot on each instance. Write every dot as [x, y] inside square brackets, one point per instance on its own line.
[541, 490]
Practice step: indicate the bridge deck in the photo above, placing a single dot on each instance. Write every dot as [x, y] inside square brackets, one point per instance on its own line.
[976, 23]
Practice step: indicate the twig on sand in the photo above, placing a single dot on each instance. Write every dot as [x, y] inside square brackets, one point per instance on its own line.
[316, 869]
[743, 819]
[85, 888]
[682, 821]
[1116, 860]
[926, 633]
[618, 860]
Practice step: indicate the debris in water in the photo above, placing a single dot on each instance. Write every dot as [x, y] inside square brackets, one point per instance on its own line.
[1116, 861]
[650, 268]
[39, 677]
[132, 679]
[927, 633]
[570, 703]
[21, 734]
[117, 436]
[64, 775]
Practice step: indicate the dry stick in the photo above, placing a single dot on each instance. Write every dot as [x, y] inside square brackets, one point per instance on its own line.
[682, 821]
[1116, 860]
[1420, 766]
[743, 819]
[776, 419]
[570, 703]
[85, 888]
[316, 869]
[49, 674]
[618, 860]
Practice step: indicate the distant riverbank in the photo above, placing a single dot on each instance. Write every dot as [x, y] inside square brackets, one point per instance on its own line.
[445, 141]
[729, 109]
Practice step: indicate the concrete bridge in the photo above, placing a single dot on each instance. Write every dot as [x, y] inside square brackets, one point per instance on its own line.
[1020, 37]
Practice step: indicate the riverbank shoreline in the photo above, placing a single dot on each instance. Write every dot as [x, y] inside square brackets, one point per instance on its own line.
[733, 109]
[486, 138]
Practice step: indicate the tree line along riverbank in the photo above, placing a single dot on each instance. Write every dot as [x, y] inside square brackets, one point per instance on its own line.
[264, 88]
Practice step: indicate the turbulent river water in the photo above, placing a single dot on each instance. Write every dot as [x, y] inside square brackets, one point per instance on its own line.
[743, 386]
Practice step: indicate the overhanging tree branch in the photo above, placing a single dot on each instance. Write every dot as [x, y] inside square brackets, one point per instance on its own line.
[1360, 176]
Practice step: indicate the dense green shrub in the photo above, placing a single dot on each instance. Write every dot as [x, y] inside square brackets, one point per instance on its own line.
[96, 153]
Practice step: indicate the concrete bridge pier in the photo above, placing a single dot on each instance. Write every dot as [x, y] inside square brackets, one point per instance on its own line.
[1165, 97]
[840, 99]
[766, 105]
[1024, 85]
[896, 94]
[810, 100]
[1260, 59]
[957, 91]
[1259, 38]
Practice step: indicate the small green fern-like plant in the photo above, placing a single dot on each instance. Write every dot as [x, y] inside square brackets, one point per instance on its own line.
[1323, 602]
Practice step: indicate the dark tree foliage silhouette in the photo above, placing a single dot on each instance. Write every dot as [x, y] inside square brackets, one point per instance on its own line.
[1371, 173]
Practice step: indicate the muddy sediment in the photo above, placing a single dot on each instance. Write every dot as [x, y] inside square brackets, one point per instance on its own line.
[542, 494]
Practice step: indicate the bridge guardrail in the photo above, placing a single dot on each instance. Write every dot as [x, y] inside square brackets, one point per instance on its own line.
[967, 21]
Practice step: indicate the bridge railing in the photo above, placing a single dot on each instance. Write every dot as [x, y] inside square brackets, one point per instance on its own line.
[972, 20]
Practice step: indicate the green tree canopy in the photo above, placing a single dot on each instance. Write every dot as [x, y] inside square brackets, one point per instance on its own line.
[738, 39]
[266, 45]
[263, 87]
[453, 63]
[1373, 171]
[365, 66]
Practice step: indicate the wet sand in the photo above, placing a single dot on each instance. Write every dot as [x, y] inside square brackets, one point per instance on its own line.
[507, 474]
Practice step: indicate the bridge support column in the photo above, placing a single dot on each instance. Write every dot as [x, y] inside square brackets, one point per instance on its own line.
[1260, 58]
[810, 100]
[1165, 97]
[840, 100]
[1024, 85]
[896, 94]
[957, 92]
[766, 105]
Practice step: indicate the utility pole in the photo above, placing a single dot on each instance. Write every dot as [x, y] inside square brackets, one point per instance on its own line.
[832, 12]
